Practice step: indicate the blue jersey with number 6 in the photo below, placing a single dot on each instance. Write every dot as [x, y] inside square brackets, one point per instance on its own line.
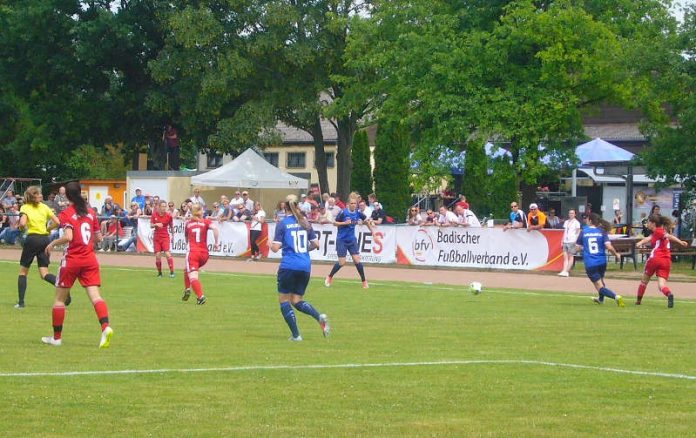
[593, 241]
[295, 243]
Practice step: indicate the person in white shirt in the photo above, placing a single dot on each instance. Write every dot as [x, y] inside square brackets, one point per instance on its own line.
[258, 217]
[447, 218]
[197, 198]
[305, 205]
[332, 208]
[466, 217]
[248, 203]
[364, 209]
[571, 231]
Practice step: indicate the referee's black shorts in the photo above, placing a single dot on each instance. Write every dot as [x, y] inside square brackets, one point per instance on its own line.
[35, 246]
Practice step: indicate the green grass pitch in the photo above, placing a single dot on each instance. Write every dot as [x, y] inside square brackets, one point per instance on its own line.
[423, 340]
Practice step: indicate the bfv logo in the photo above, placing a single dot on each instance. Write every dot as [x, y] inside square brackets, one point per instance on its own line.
[422, 245]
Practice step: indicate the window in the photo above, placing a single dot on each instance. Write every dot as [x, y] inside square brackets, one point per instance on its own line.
[213, 160]
[296, 160]
[330, 160]
[271, 157]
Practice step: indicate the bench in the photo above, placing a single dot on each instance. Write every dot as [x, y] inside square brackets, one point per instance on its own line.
[678, 251]
[626, 248]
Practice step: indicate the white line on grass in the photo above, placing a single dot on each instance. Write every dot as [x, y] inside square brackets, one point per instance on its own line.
[351, 365]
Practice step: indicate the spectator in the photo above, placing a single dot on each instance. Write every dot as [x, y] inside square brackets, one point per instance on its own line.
[112, 232]
[571, 231]
[149, 207]
[9, 200]
[325, 216]
[258, 217]
[133, 214]
[446, 218]
[646, 230]
[462, 202]
[279, 214]
[197, 198]
[172, 144]
[217, 211]
[363, 208]
[313, 215]
[339, 203]
[248, 203]
[517, 218]
[227, 211]
[414, 217]
[379, 216]
[332, 207]
[108, 208]
[618, 217]
[184, 211]
[371, 200]
[51, 202]
[430, 217]
[10, 225]
[241, 213]
[305, 205]
[325, 199]
[553, 220]
[61, 200]
[237, 198]
[139, 198]
[171, 209]
[536, 219]
[466, 217]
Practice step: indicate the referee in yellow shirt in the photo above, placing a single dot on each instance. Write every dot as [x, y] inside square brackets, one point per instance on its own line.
[33, 217]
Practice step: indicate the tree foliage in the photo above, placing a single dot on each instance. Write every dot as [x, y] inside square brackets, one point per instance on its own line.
[361, 180]
[392, 169]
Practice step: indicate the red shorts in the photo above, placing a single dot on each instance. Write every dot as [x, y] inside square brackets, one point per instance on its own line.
[162, 244]
[196, 260]
[659, 266]
[88, 276]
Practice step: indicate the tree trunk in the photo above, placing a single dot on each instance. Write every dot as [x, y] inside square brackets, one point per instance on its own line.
[320, 157]
[346, 129]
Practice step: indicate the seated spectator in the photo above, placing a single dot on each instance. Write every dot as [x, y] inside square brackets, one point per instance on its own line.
[414, 217]
[553, 220]
[241, 213]
[379, 216]
[536, 219]
[517, 218]
[112, 231]
[108, 207]
[217, 211]
[279, 214]
[447, 218]
[227, 211]
[10, 225]
[9, 200]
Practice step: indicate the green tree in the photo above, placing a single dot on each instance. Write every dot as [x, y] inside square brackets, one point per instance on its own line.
[392, 169]
[361, 180]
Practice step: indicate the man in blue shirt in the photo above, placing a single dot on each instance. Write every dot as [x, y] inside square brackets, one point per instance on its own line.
[296, 238]
[594, 241]
[139, 198]
[346, 242]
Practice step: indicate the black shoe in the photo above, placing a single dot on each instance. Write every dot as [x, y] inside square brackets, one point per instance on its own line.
[68, 300]
[670, 301]
[201, 300]
[159, 275]
[187, 294]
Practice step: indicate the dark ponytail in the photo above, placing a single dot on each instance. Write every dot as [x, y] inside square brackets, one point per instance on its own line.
[73, 191]
[597, 221]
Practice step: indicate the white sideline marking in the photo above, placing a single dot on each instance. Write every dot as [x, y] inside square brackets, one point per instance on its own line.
[351, 365]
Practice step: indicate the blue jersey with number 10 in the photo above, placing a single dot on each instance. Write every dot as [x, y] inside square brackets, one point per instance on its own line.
[593, 241]
[295, 243]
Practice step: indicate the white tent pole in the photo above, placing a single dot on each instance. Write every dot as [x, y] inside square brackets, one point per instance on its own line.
[574, 189]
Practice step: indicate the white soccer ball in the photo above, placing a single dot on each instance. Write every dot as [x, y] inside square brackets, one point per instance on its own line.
[475, 287]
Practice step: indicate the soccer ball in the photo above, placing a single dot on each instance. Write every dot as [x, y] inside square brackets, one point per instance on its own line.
[475, 287]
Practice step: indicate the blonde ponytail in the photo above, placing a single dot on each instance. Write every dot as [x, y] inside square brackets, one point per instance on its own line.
[292, 208]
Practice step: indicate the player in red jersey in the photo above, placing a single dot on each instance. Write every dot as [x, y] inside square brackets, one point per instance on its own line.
[197, 256]
[660, 260]
[81, 228]
[163, 224]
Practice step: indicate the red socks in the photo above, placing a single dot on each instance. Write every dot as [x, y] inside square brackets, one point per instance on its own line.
[665, 291]
[158, 263]
[187, 282]
[197, 288]
[170, 262]
[58, 318]
[641, 290]
[102, 313]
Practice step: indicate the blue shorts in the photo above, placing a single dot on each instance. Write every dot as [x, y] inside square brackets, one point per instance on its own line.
[343, 247]
[291, 281]
[595, 273]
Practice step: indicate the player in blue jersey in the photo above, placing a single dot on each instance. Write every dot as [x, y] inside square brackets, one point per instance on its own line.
[346, 242]
[594, 241]
[296, 237]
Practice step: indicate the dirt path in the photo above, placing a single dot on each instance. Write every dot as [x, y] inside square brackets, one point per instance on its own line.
[624, 283]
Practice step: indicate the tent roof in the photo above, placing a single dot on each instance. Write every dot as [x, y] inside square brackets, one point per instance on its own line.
[640, 179]
[249, 170]
[599, 150]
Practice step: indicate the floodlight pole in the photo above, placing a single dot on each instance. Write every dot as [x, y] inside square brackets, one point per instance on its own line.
[629, 199]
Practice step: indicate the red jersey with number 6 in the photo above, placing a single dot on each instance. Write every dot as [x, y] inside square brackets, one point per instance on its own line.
[661, 245]
[197, 235]
[80, 250]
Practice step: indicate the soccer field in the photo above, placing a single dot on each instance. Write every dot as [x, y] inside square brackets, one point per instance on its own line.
[403, 360]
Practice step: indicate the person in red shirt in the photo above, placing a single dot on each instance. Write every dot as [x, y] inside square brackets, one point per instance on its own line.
[197, 237]
[660, 261]
[163, 224]
[81, 228]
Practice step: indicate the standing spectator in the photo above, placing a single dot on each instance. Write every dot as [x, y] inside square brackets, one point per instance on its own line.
[184, 211]
[378, 214]
[430, 217]
[139, 198]
[346, 241]
[618, 217]
[51, 202]
[660, 260]
[237, 199]
[517, 218]
[163, 224]
[226, 211]
[197, 238]
[466, 217]
[305, 206]
[81, 228]
[248, 203]
[414, 217]
[536, 219]
[34, 217]
[594, 242]
[332, 207]
[371, 200]
[171, 209]
[280, 212]
[296, 238]
[9, 200]
[149, 208]
[171, 142]
[339, 203]
[571, 231]
[325, 216]
[313, 216]
[647, 231]
[364, 208]
[553, 220]
[61, 201]
[198, 199]
[258, 217]
[462, 202]
[446, 218]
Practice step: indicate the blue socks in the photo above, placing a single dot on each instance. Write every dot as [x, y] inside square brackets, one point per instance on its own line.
[361, 270]
[289, 315]
[305, 307]
[604, 292]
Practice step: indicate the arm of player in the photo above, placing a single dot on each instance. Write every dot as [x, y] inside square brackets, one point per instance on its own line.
[67, 237]
[677, 240]
[611, 249]
[314, 244]
[216, 235]
[22, 221]
[643, 241]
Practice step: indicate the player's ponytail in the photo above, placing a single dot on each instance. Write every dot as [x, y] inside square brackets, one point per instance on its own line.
[30, 193]
[292, 208]
[661, 221]
[73, 192]
[197, 211]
